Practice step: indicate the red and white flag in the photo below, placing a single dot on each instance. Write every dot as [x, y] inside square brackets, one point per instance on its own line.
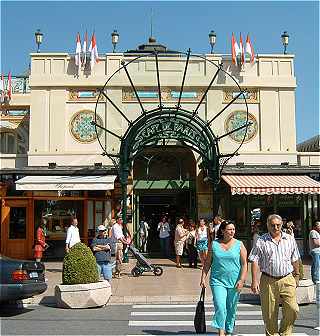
[242, 50]
[84, 48]
[94, 58]
[9, 88]
[78, 53]
[249, 49]
[2, 89]
[235, 50]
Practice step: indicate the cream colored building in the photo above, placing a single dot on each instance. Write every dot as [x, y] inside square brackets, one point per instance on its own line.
[62, 142]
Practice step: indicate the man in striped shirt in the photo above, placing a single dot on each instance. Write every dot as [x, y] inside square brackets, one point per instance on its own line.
[276, 255]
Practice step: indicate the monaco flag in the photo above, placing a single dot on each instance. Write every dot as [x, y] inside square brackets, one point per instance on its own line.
[78, 53]
[249, 49]
[94, 51]
[9, 88]
[242, 50]
[84, 49]
[235, 50]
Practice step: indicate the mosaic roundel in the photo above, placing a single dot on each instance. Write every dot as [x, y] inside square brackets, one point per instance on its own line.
[82, 129]
[237, 119]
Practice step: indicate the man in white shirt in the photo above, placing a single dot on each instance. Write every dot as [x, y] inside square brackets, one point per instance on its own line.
[276, 255]
[120, 239]
[73, 236]
[314, 248]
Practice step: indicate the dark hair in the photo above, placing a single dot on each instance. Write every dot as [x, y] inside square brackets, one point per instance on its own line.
[222, 227]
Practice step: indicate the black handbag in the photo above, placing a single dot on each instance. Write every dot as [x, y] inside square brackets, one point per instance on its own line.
[200, 316]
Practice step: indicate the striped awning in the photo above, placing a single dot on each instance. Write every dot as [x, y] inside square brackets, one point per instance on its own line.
[271, 184]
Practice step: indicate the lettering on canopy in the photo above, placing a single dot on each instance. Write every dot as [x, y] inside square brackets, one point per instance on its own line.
[170, 128]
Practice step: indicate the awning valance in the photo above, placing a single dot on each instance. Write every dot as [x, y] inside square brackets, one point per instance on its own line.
[271, 184]
[66, 183]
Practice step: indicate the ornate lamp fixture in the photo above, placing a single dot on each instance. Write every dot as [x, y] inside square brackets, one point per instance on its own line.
[39, 36]
[114, 39]
[285, 41]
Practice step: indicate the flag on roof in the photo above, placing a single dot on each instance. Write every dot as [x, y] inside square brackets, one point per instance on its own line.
[84, 48]
[242, 50]
[78, 53]
[249, 49]
[9, 88]
[235, 50]
[94, 58]
[2, 89]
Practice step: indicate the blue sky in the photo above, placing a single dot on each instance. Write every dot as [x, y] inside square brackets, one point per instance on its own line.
[179, 25]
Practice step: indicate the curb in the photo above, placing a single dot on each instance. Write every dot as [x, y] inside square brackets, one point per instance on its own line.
[129, 300]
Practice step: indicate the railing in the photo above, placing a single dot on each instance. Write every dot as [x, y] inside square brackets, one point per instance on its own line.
[19, 84]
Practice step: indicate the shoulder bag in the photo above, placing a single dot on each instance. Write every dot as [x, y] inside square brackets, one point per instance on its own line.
[200, 318]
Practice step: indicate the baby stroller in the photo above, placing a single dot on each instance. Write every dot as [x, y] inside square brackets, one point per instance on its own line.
[143, 265]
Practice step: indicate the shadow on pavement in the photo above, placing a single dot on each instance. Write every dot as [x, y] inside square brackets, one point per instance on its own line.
[166, 332]
[11, 311]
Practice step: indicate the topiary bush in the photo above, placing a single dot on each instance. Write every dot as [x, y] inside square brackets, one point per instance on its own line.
[79, 266]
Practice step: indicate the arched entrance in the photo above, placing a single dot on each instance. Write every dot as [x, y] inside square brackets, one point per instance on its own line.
[144, 120]
[163, 184]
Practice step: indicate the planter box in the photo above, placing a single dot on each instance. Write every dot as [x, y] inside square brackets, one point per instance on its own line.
[83, 296]
[305, 292]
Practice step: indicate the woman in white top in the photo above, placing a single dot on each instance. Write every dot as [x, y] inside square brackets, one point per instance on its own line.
[202, 240]
[314, 246]
[164, 235]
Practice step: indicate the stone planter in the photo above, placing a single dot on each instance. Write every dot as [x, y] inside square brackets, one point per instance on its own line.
[83, 296]
[305, 292]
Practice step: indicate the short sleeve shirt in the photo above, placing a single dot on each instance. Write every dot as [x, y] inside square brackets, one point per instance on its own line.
[314, 234]
[102, 255]
[275, 258]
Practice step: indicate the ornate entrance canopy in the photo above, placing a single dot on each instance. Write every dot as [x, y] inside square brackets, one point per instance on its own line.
[168, 121]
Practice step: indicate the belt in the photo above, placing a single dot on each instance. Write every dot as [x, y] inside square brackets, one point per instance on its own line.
[275, 277]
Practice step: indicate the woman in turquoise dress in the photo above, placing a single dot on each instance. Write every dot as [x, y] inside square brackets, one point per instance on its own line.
[227, 258]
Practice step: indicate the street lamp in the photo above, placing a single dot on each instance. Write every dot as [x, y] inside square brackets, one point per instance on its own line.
[39, 37]
[212, 39]
[114, 39]
[285, 41]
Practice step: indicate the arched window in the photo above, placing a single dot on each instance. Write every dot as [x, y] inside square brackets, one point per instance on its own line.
[8, 142]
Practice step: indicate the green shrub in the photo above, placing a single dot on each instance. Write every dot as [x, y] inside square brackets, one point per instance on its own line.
[79, 266]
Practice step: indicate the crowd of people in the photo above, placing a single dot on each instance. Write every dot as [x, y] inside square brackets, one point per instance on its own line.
[274, 255]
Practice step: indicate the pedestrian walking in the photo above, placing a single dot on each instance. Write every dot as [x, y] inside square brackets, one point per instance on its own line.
[120, 240]
[255, 234]
[217, 220]
[73, 236]
[143, 234]
[227, 258]
[202, 235]
[314, 248]
[40, 244]
[102, 246]
[276, 254]
[191, 245]
[164, 235]
[180, 237]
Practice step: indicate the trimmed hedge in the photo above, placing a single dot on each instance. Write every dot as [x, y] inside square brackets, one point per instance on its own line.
[79, 266]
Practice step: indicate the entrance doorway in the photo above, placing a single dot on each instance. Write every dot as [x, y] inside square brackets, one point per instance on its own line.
[163, 185]
[16, 231]
[154, 205]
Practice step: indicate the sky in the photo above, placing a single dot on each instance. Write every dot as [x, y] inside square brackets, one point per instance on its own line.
[177, 24]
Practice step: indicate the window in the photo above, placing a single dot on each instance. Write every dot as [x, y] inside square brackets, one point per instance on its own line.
[8, 142]
[17, 225]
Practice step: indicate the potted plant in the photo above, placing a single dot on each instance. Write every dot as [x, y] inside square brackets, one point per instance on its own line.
[80, 286]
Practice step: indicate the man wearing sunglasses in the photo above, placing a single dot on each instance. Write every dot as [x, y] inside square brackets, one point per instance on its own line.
[277, 256]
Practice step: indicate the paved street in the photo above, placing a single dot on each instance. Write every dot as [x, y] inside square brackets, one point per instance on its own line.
[140, 319]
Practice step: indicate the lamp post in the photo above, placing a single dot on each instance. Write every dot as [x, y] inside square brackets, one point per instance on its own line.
[212, 39]
[285, 41]
[39, 37]
[114, 39]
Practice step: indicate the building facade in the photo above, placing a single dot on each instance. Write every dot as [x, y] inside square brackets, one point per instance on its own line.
[58, 171]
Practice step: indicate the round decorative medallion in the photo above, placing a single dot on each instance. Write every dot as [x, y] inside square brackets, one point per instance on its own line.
[82, 129]
[237, 119]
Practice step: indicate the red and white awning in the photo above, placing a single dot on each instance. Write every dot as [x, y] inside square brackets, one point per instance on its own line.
[271, 184]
